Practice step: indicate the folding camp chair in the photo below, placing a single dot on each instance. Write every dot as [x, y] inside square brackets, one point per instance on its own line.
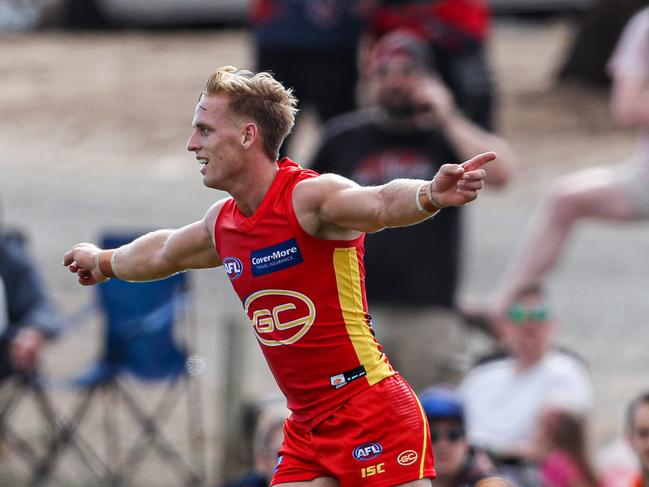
[139, 347]
[27, 392]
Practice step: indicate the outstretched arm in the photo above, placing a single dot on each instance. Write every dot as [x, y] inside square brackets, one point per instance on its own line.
[332, 207]
[152, 256]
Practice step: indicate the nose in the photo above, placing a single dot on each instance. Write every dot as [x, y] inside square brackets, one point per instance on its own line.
[192, 143]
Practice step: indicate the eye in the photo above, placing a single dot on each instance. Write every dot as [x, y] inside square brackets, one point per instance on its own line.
[203, 130]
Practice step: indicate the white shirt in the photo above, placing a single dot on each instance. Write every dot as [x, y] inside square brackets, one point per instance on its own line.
[502, 404]
[631, 60]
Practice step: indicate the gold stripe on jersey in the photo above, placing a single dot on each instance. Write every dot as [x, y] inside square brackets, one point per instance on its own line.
[426, 426]
[348, 281]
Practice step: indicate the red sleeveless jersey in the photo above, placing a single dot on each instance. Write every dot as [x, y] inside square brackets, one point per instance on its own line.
[305, 298]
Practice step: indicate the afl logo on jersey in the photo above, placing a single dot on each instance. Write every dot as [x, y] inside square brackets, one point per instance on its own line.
[279, 316]
[233, 267]
[367, 451]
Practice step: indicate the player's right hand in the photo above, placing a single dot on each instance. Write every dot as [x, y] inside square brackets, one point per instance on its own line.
[82, 259]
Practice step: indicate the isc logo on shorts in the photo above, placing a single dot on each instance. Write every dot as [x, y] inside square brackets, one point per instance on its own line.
[233, 267]
[367, 451]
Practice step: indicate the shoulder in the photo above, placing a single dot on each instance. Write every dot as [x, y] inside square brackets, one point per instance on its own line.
[212, 214]
[316, 188]
[639, 21]
[563, 363]
[628, 56]
[487, 372]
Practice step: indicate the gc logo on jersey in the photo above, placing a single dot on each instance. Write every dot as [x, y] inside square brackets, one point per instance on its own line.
[367, 451]
[233, 267]
[279, 316]
[407, 457]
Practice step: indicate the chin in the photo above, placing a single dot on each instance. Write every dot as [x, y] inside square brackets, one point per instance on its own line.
[211, 182]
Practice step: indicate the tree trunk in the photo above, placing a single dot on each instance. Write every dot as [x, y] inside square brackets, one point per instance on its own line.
[596, 40]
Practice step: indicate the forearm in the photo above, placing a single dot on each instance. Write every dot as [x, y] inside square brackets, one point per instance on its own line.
[143, 259]
[405, 202]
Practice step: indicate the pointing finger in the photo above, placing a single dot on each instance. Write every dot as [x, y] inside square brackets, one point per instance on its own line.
[478, 161]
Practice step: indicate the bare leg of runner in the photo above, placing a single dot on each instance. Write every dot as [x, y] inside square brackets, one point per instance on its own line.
[591, 193]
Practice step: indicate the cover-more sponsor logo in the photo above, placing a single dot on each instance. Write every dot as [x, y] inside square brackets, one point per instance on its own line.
[233, 267]
[275, 258]
[407, 457]
[373, 470]
[367, 451]
[280, 316]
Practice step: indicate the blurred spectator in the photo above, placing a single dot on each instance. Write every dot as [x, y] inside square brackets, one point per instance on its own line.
[564, 456]
[29, 318]
[457, 463]
[457, 31]
[618, 193]
[310, 46]
[616, 463]
[267, 439]
[637, 431]
[504, 397]
[411, 131]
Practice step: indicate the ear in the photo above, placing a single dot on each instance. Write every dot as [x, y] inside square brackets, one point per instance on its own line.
[249, 134]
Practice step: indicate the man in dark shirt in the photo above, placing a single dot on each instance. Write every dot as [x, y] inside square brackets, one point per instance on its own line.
[411, 131]
[27, 318]
[310, 46]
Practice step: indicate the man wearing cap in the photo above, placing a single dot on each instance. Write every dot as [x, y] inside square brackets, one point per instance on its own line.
[412, 129]
[505, 396]
[458, 464]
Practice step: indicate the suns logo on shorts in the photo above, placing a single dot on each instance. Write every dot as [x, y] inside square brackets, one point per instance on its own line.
[407, 457]
[367, 451]
[233, 267]
[279, 316]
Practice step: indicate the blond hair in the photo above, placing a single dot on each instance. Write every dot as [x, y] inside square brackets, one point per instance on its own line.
[260, 97]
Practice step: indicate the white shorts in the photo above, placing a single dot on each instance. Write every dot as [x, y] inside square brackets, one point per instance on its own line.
[633, 178]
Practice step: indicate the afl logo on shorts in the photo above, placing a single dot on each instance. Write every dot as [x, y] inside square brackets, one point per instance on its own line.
[367, 451]
[407, 457]
[279, 316]
[233, 267]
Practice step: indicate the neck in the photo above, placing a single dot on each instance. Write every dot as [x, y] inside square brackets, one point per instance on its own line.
[252, 186]
[525, 363]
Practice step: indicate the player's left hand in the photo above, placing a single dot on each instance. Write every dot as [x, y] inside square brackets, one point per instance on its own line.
[458, 184]
[25, 349]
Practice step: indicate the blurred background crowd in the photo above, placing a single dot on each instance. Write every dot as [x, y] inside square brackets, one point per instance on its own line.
[520, 320]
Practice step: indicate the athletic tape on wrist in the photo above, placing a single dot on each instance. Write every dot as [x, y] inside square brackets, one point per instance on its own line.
[425, 199]
[105, 263]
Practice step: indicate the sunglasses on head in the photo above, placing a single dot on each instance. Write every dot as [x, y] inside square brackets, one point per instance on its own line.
[520, 314]
[452, 434]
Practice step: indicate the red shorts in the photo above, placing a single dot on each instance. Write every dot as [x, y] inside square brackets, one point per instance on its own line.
[380, 437]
